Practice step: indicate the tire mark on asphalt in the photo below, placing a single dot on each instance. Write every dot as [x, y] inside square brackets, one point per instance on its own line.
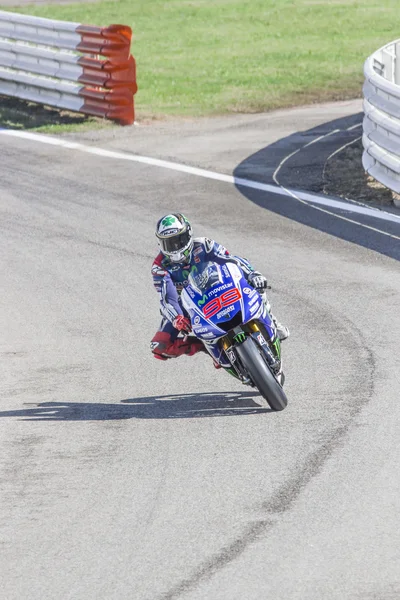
[284, 498]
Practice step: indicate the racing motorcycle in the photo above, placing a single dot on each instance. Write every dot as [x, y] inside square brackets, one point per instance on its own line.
[232, 320]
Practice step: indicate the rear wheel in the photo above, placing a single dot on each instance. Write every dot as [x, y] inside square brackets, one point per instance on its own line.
[261, 375]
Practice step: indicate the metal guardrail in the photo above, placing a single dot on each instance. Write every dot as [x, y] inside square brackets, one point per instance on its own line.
[381, 126]
[77, 67]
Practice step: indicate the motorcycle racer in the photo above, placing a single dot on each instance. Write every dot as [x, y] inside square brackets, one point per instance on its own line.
[179, 255]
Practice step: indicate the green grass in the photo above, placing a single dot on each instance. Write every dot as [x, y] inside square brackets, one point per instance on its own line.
[202, 57]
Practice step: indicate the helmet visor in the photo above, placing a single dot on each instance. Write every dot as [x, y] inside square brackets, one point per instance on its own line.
[176, 242]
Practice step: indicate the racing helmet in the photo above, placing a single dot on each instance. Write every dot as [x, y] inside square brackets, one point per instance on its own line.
[175, 238]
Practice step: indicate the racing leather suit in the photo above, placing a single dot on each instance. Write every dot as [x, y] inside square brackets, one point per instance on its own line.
[169, 279]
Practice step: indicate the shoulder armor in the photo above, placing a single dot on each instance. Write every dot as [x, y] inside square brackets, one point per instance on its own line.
[205, 242]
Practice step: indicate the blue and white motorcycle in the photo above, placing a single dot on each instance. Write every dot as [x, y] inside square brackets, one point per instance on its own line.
[232, 320]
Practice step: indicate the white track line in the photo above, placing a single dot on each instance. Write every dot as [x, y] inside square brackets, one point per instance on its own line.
[289, 156]
[304, 197]
[342, 148]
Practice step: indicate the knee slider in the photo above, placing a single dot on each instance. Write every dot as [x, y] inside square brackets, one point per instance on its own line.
[159, 344]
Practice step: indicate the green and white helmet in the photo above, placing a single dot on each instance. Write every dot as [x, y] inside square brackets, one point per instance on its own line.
[175, 237]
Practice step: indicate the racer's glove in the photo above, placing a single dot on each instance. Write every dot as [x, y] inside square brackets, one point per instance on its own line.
[258, 281]
[182, 323]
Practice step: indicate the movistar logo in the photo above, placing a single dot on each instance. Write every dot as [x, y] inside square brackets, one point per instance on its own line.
[203, 300]
[186, 272]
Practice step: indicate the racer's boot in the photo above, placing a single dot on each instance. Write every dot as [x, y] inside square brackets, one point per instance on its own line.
[282, 330]
[163, 347]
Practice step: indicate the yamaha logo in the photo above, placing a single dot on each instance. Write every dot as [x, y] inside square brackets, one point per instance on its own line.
[196, 320]
[247, 290]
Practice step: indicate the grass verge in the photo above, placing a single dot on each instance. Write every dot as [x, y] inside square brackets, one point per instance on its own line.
[206, 57]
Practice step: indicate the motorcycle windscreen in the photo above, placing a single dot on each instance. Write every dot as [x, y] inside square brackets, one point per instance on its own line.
[205, 276]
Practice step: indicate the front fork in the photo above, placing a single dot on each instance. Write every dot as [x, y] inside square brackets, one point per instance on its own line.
[271, 347]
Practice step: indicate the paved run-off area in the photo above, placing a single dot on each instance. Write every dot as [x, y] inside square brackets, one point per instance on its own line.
[125, 478]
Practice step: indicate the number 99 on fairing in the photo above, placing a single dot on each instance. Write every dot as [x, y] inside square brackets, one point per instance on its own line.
[217, 304]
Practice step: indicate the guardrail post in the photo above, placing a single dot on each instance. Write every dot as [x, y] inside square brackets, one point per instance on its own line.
[388, 62]
[397, 64]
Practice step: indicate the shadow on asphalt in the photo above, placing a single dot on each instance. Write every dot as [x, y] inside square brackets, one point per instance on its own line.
[176, 406]
[303, 169]
[20, 114]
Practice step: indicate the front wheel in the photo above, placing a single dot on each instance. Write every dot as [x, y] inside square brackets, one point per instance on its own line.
[261, 375]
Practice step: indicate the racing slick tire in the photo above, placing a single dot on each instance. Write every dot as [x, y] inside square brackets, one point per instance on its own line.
[261, 375]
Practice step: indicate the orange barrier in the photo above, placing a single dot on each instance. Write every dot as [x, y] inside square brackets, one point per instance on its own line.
[113, 104]
[109, 84]
[114, 40]
[108, 73]
[96, 59]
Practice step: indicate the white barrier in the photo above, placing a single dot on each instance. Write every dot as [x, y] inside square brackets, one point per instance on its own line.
[381, 127]
[59, 64]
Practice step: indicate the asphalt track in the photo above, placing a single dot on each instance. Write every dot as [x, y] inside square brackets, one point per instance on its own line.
[123, 477]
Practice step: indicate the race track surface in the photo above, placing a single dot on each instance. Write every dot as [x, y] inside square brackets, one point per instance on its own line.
[125, 477]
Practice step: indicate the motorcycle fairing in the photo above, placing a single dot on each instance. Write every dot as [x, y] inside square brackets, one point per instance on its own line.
[215, 294]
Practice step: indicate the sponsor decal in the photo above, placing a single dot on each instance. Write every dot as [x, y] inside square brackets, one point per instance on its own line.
[240, 337]
[277, 346]
[197, 259]
[196, 320]
[253, 301]
[208, 335]
[261, 339]
[225, 270]
[254, 309]
[176, 268]
[201, 330]
[231, 355]
[203, 300]
[197, 251]
[225, 311]
[153, 345]
[250, 292]
[190, 292]
[220, 288]
[186, 272]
